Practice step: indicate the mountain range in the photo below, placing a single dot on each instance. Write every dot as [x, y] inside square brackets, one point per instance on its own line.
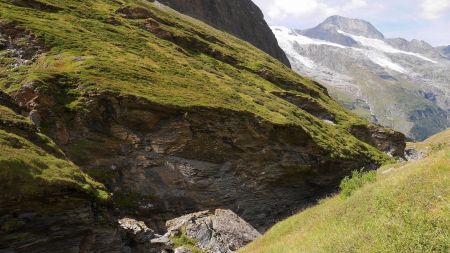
[394, 82]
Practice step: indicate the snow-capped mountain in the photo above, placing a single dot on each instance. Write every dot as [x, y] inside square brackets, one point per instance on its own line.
[394, 82]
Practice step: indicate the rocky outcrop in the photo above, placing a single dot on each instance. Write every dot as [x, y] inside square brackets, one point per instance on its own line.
[67, 223]
[20, 46]
[167, 161]
[221, 231]
[241, 18]
[308, 104]
[391, 142]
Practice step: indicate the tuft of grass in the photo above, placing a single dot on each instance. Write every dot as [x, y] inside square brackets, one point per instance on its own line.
[407, 209]
[27, 171]
[184, 240]
[357, 180]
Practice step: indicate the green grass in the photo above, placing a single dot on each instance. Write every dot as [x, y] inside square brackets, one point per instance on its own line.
[9, 116]
[28, 171]
[356, 181]
[434, 143]
[184, 241]
[89, 53]
[406, 209]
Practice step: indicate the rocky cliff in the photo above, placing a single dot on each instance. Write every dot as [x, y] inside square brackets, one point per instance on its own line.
[132, 111]
[241, 18]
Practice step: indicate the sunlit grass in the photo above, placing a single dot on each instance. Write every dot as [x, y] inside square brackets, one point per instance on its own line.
[406, 209]
[94, 54]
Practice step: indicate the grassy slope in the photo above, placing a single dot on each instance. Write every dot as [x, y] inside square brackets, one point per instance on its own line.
[407, 209]
[92, 53]
[29, 170]
[403, 98]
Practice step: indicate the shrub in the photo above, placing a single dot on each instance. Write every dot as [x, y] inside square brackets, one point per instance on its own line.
[356, 181]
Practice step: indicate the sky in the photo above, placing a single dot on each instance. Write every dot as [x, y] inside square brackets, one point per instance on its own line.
[427, 20]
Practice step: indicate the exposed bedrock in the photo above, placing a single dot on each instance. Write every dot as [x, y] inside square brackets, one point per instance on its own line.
[163, 162]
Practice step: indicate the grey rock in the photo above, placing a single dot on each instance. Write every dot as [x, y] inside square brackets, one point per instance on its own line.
[135, 230]
[219, 232]
[162, 240]
[328, 30]
[412, 155]
[182, 250]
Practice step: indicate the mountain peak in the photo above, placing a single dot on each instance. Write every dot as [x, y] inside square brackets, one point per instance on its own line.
[353, 26]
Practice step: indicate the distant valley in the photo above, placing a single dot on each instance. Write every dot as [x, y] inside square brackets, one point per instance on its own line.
[394, 82]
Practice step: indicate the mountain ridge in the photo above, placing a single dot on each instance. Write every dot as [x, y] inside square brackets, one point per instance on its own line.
[394, 82]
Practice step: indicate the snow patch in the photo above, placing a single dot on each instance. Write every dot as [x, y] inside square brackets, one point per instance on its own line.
[287, 40]
[383, 46]
[383, 61]
[290, 35]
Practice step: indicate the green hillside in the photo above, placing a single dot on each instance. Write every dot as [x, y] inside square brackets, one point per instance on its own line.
[144, 49]
[31, 166]
[405, 209]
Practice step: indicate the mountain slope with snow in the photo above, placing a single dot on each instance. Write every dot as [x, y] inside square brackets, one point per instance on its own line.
[394, 82]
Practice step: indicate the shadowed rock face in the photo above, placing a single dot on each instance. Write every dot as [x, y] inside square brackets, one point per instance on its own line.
[184, 160]
[445, 51]
[241, 18]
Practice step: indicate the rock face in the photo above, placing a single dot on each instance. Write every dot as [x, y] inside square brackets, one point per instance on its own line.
[219, 232]
[394, 82]
[241, 18]
[65, 224]
[445, 51]
[329, 30]
[180, 161]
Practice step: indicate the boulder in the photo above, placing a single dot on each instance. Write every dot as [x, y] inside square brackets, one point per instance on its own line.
[135, 231]
[221, 231]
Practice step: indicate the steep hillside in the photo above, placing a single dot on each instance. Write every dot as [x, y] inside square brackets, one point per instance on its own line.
[394, 82]
[239, 17]
[170, 115]
[402, 208]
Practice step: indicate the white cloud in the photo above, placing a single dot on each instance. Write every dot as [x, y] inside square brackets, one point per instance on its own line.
[280, 9]
[434, 9]
[428, 20]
